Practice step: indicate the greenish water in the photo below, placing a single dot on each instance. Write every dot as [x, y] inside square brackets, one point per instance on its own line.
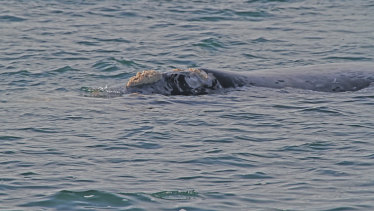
[247, 149]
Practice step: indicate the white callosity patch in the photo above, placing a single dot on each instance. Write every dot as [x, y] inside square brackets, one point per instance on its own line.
[144, 77]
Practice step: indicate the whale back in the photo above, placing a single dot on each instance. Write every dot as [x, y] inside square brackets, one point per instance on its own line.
[325, 78]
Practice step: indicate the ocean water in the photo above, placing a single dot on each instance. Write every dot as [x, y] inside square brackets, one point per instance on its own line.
[248, 149]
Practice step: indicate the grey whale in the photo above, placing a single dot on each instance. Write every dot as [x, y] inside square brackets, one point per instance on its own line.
[323, 78]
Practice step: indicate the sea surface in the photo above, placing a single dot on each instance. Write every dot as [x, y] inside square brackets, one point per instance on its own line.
[62, 148]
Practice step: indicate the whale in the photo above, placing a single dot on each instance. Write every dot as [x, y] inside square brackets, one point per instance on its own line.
[199, 81]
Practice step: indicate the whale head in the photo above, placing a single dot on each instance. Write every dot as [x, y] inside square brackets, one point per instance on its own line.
[177, 82]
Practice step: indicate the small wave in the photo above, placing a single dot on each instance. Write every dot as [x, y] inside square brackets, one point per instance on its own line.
[88, 43]
[113, 64]
[117, 40]
[252, 14]
[77, 200]
[348, 58]
[40, 129]
[323, 110]
[64, 69]
[262, 39]
[10, 18]
[210, 19]
[176, 195]
[257, 175]
[71, 200]
[310, 147]
[252, 56]
[210, 44]
[9, 138]
[107, 65]
[128, 63]
[20, 72]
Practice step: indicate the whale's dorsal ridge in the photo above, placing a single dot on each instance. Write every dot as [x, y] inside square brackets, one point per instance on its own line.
[325, 78]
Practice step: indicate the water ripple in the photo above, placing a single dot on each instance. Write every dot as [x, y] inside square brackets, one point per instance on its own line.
[10, 18]
[247, 149]
[69, 200]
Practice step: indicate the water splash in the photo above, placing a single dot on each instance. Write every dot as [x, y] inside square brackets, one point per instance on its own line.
[103, 92]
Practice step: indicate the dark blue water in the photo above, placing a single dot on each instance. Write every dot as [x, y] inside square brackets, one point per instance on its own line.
[248, 149]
